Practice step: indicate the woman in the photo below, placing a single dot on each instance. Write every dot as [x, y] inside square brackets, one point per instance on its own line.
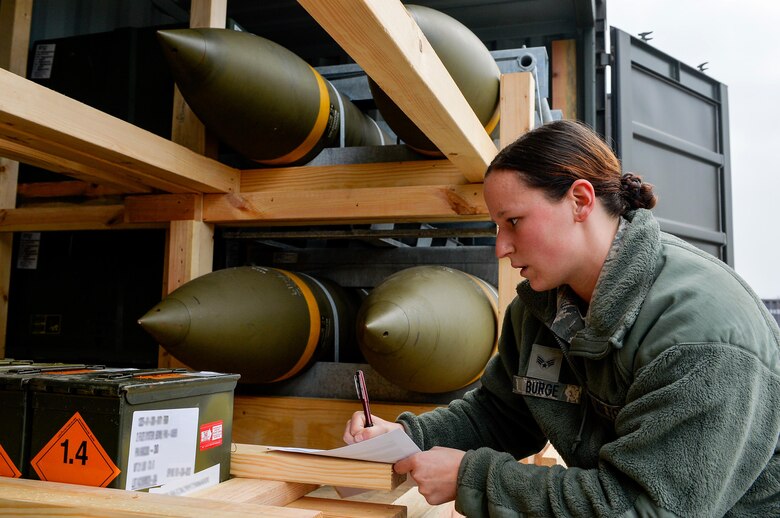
[650, 366]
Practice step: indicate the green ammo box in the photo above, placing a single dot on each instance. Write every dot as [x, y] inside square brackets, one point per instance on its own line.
[14, 407]
[163, 430]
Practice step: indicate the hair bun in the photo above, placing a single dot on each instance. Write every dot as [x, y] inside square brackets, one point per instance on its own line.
[636, 193]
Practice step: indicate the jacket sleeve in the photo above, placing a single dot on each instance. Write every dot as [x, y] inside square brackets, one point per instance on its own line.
[700, 426]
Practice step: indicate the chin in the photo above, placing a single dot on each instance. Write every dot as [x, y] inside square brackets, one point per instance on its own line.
[538, 285]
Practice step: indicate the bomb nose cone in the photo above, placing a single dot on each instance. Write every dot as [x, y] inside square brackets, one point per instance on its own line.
[385, 327]
[185, 50]
[168, 322]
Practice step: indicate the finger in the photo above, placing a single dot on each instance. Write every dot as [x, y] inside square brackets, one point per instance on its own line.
[370, 432]
[354, 426]
[403, 466]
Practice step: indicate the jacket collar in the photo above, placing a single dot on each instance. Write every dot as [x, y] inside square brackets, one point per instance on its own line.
[620, 290]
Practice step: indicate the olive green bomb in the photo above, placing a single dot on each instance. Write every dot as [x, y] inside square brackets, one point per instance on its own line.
[266, 324]
[260, 99]
[429, 329]
[467, 60]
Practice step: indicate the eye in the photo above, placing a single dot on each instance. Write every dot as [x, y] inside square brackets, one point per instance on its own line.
[513, 221]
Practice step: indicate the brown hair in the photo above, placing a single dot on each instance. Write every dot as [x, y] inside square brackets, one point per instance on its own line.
[551, 157]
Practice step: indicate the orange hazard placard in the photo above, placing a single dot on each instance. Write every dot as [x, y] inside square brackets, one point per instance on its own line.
[75, 456]
[7, 467]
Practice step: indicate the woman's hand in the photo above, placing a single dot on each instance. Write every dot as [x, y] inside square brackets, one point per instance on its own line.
[435, 471]
[357, 431]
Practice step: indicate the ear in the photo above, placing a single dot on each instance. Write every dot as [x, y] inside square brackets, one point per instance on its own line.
[583, 197]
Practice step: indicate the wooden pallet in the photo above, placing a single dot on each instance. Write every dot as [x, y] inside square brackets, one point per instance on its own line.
[263, 483]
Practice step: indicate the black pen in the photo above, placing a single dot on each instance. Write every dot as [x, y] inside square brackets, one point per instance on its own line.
[362, 394]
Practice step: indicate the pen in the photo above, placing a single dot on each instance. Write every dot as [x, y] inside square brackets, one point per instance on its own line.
[362, 394]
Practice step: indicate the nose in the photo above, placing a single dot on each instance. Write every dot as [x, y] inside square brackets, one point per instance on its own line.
[503, 245]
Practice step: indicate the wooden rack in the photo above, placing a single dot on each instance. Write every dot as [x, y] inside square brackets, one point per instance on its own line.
[145, 181]
[49, 130]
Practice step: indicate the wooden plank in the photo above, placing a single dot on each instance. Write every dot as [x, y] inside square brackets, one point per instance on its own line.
[15, 20]
[16, 509]
[102, 174]
[79, 497]
[385, 41]
[6, 254]
[303, 422]
[66, 217]
[66, 189]
[563, 64]
[434, 203]
[165, 207]
[208, 13]
[517, 117]
[353, 176]
[43, 119]
[255, 491]
[191, 243]
[254, 461]
[189, 254]
[291, 494]
[332, 508]
[190, 251]
[406, 495]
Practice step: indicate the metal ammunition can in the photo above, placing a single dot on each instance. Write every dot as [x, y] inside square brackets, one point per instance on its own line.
[15, 409]
[161, 430]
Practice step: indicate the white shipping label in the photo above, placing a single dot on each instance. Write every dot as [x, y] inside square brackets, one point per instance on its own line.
[200, 480]
[163, 444]
[43, 61]
[29, 248]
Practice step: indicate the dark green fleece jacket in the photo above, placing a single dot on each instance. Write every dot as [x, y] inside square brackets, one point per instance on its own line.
[678, 409]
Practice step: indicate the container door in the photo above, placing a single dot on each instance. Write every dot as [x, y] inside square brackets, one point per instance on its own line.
[670, 124]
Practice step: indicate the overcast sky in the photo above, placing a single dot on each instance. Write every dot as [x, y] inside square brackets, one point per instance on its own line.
[739, 40]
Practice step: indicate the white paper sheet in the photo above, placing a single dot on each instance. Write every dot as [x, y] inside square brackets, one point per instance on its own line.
[388, 447]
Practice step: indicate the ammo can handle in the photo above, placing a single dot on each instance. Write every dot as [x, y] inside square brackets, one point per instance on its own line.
[134, 374]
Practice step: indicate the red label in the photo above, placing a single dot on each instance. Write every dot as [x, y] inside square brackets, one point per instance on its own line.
[75, 456]
[72, 371]
[165, 376]
[210, 435]
[7, 467]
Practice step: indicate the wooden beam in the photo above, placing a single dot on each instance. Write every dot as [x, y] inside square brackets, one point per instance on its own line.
[66, 189]
[59, 217]
[11, 507]
[353, 176]
[254, 461]
[303, 422]
[103, 174]
[435, 203]
[254, 491]
[193, 254]
[208, 13]
[384, 40]
[406, 495]
[292, 494]
[15, 20]
[563, 64]
[44, 120]
[76, 497]
[332, 508]
[189, 254]
[517, 117]
[165, 207]
[191, 241]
